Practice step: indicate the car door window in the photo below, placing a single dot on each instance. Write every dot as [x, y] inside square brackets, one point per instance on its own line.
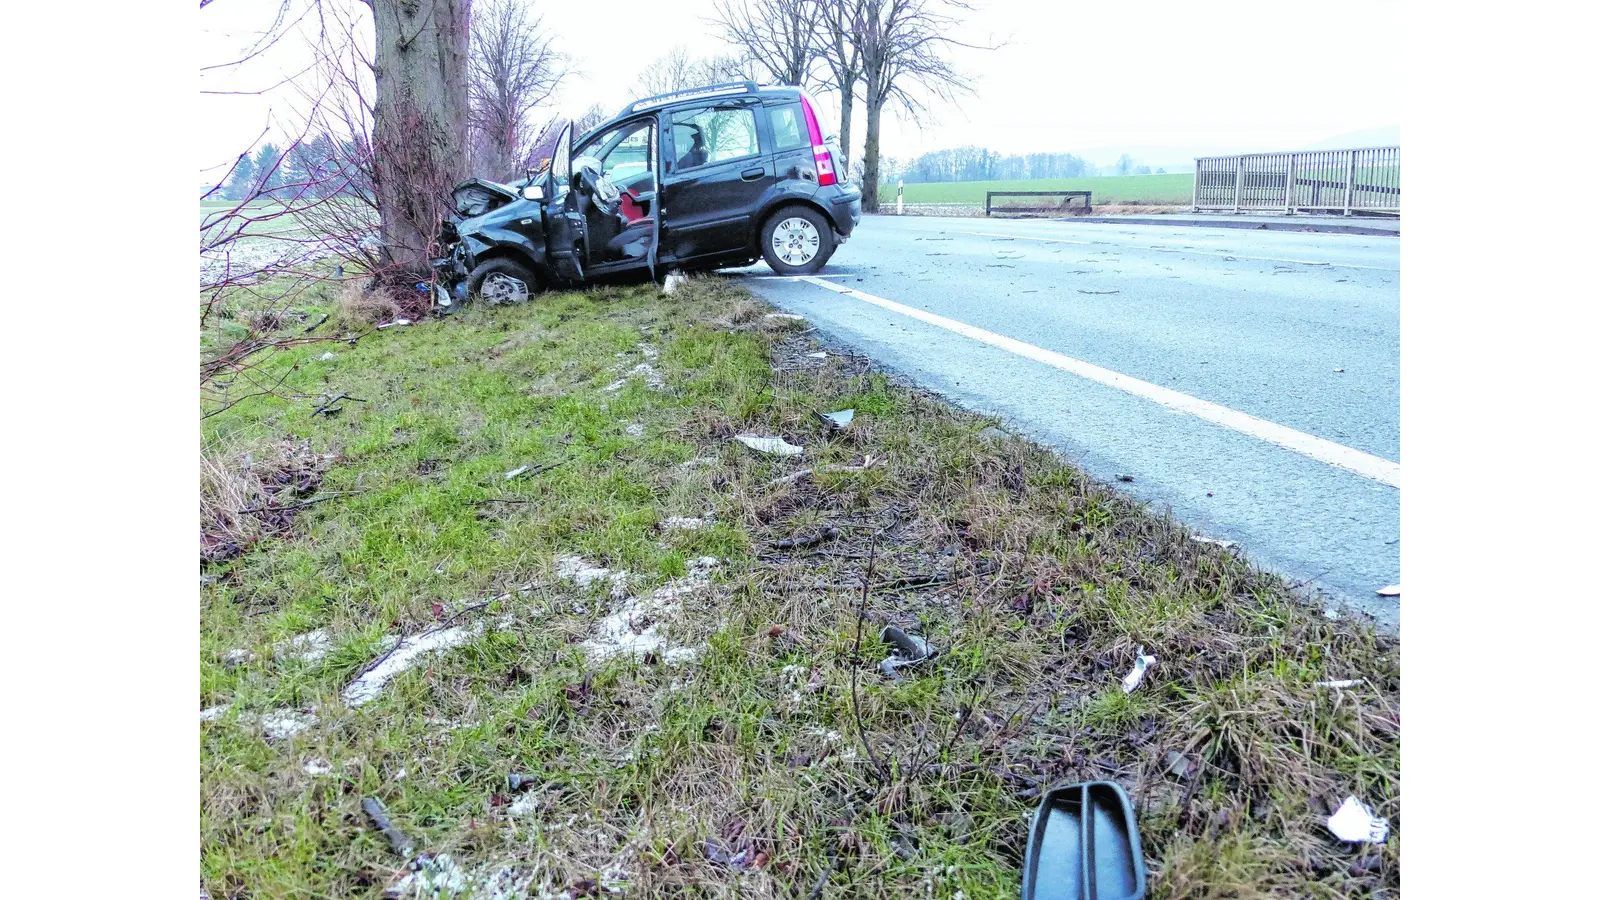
[701, 137]
[624, 151]
[789, 131]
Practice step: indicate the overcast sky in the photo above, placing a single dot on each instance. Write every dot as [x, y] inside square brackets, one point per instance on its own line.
[1160, 79]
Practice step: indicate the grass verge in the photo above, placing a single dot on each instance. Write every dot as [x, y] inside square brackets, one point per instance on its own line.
[693, 707]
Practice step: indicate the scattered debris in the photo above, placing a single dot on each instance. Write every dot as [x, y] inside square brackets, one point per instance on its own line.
[1178, 764]
[1355, 822]
[722, 856]
[784, 317]
[1346, 683]
[399, 841]
[1219, 542]
[518, 472]
[1392, 590]
[634, 627]
[820, 354]
[790, 478]
[1338, 370]
[394, 323]
[838, 421]
[906, 650]
[518, 782]
[370, 683]
[237, 657]
[826, 534]
[1125, 478]
[674, 281]
[1141, 664]
[212, 713]
[634, 430]
[867, 462]
[1099, 292]
[774, 445]
[681, 523]
[317, 768]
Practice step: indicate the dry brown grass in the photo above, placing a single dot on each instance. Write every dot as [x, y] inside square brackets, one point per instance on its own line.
[246, 495]
[357, 304]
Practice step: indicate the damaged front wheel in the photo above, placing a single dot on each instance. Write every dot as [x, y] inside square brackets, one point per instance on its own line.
[502, 281]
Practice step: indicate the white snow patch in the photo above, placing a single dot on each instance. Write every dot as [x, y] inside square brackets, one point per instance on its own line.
[634, 628]
[682, 523]
[699, 462]
[584, 573]
[237, 657]
[652, 379]
[316, 768]
[311, 646]
[371, 683]
[525, 804]
[634, 430]
[286, 723]
[212, 713]
[784, 317]
[649, 352]
[438, 877]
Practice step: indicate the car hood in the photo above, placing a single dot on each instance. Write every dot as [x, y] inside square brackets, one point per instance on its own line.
[477, 196]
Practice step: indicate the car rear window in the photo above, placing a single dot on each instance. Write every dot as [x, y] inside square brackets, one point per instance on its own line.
[788, 127]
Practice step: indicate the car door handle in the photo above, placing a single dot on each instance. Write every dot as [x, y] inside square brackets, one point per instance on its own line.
[753, 174]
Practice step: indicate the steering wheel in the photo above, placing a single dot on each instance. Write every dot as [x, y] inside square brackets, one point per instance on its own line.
[601, 189]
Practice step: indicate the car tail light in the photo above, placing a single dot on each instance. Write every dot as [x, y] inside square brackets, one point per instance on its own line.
[819, 149]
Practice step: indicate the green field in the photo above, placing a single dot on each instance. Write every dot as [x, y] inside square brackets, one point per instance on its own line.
[1157, 190]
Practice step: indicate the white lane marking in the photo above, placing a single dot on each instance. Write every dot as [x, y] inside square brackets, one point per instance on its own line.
[1303, 262]
[1375, 467]
[793, 277]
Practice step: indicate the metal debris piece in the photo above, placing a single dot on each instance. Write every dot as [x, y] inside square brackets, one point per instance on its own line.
[1355, 822]
[1127, 478]
[908, 650]
[399, 841]
[1392, 590]
[1141, 664]
[838, 420]
[519, 782]
[774, 445]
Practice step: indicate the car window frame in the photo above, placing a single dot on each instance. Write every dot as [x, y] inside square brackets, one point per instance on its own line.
[670, 130]
[621, 132]
[771, 108]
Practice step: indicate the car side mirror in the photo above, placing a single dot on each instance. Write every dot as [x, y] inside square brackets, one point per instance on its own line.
[533, 192]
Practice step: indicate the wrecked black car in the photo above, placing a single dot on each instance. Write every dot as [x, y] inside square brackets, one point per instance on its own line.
[693, 180]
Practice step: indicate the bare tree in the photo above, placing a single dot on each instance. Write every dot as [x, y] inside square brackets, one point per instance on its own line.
[836, 47]
[591, 117]
[901, 43]
[513, 70]
[778, 35]
[679, 71]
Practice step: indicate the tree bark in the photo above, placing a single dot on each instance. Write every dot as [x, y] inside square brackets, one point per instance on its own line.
[845, 111]
[869, 169]
[419, 121]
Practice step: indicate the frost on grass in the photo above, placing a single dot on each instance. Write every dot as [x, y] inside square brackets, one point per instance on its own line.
[366, 688]
[682, 523]
[311, 646]
[437, 877]
[284, 723]
[584, 573]
[634, 628]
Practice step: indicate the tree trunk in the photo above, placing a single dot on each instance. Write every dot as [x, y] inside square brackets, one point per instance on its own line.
[419, 121]
[845, 110]
[869, 173]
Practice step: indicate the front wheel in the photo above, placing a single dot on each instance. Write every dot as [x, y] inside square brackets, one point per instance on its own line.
[502, 281]
[797, 240]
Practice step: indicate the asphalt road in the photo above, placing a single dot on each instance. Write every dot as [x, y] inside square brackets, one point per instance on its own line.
[1249, 381]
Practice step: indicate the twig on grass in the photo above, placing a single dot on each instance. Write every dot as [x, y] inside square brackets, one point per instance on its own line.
[399, 841]
[855, 665]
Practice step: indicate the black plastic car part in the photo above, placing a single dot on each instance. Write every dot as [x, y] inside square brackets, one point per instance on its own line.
[1084, 845]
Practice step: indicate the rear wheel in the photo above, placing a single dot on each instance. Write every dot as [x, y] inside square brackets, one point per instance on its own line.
[502, 282]
[797, 240]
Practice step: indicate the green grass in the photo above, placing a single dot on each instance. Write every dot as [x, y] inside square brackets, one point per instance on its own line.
[1052, 582]
[1156, 190]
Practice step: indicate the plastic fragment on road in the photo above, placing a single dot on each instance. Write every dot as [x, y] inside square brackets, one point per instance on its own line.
[674, 281]
[1355, 822]
[774, 445]
[394, 323]
[838, 420]
[1141, 664]
[1219, 542]
[1392, 590]
[820, 354]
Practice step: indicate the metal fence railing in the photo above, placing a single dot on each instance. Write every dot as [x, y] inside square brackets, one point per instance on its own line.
[1365, 180]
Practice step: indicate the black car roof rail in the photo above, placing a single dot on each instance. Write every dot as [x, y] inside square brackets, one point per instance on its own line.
[725, 89]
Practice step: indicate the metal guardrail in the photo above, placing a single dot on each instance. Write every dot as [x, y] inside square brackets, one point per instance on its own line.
[1362, 180]
[1063, 206]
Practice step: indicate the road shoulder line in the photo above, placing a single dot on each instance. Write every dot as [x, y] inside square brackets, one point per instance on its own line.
[1365, 464]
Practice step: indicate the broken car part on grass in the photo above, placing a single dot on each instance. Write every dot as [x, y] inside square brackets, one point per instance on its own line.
[1084, 845]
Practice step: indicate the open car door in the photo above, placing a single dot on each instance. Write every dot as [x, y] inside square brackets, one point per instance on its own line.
[565, 226]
